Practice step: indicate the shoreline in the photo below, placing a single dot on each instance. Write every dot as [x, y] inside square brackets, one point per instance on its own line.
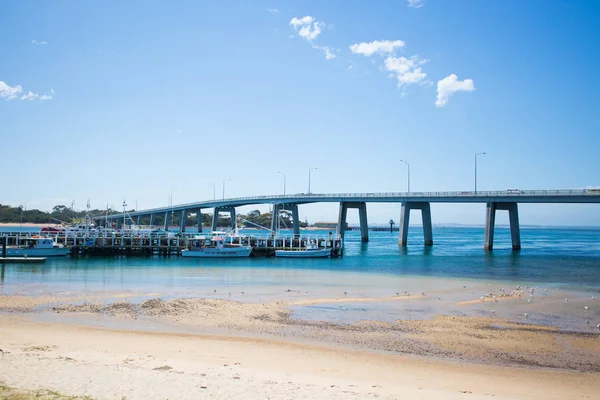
[108, 364]
[155, 349]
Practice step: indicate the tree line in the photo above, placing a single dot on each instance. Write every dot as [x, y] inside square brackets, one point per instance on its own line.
[66, 215]
[59, 214]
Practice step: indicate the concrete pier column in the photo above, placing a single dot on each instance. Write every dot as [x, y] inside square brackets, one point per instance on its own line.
[275, 217]
[199, 220]
[166, 221]
[151, 219]
[233, 218]
[362, 215]
[341, 226]
[427, 227]
[515, 230]
[230, 210]
[183, 220]
[215, 220]
[138, 219]
[296, 218]
[425, 217]
[364, 227]
[404, 219]
[490, 222]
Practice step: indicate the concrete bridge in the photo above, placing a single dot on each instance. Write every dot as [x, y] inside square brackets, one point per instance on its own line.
[495, 200]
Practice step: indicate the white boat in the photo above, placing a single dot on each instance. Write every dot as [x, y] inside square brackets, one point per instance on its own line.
[215, 246]
[37, 247]
[310, 251]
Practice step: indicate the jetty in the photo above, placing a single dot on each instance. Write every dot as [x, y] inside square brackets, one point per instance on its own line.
[169, 244]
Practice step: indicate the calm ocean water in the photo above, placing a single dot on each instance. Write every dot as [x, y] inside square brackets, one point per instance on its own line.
[558, 256]
[564, 262]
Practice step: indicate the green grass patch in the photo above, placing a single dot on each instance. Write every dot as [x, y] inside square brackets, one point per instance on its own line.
[8, 393]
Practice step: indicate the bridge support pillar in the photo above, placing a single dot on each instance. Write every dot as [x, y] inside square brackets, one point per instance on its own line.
[362, 216]
[230, 210]
[296, 218]
[275, 217]
[166, 221]
[151, 219]
[405, 218]
[138, 220]
[199, 220]
[183, 220]
[490, 222]
[277, 209]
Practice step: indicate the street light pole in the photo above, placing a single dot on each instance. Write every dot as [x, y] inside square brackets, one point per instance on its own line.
[214, 190]
[224, 187]
[476, 154]
[283, 181]
[408, 174]
[124, 213]
[310, 169]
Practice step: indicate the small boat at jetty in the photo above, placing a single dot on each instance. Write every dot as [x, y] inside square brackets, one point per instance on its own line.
[37, 247]
[215, 246]
[310, 251]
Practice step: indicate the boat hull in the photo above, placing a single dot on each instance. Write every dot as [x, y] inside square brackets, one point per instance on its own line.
[226, 252]
[33, 252]
[322, 253]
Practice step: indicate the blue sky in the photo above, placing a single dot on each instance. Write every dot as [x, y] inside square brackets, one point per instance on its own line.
[129, 100]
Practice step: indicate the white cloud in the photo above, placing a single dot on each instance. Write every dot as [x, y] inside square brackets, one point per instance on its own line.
[12, 92]
[415, 3]
[35, 42]
[9, 92]
[307, 27]
[30, 96]
[376, 46]
[406, 70]
[450, 85]
[273, 10]
[329, 55]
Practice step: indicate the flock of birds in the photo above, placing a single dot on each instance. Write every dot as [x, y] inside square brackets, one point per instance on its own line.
[502, 293]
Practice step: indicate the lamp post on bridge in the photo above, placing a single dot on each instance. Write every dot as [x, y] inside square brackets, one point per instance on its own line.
[124, 212]
[477, 154]
[224, 180]
[214, 190]
[170, 194]
[408, 175]
[310, 169]
[283, 181]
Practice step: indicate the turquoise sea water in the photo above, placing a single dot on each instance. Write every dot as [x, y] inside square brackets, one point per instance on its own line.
[568, 257]
[555, 258]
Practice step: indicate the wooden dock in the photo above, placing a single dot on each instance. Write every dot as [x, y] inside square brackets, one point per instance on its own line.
[132, 244]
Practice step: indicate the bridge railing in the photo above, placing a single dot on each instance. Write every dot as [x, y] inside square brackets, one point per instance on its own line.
[315, 196]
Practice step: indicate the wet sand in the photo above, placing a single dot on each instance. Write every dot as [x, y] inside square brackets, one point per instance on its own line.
[220, 348]
[110, 364]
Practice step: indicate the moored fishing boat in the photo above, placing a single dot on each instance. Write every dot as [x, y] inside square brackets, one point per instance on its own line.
[215, 246]
[310, 251]
[37, 247]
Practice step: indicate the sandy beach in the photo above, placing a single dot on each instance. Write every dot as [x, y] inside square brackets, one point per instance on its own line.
[216, 348]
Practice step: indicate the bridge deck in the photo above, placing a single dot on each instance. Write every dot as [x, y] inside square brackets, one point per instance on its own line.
[518, 196]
